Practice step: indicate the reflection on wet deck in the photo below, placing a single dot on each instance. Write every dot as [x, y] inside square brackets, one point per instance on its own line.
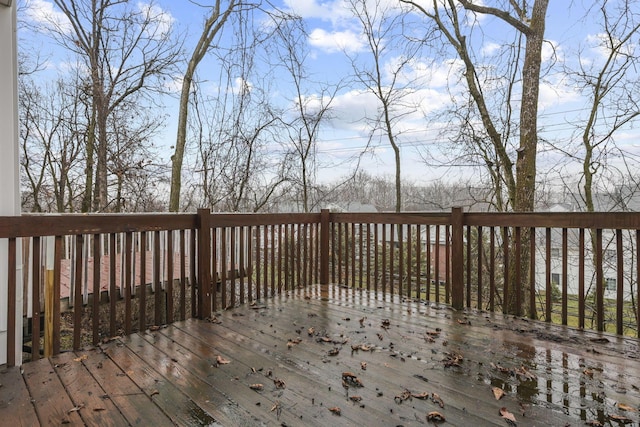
[412, 358]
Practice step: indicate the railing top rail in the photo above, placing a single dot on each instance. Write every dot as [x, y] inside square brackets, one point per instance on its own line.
[257, 219]
[428, 218]
[66, 224]
[587, 220]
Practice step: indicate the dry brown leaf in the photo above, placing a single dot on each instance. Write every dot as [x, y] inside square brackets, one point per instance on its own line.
[355, 398]
[422, 396]
[335, 410]
[279, 383]
[435, 416]
[405, 395]
[498, 393]
[75, 408]
[334, 351]
[437, 400]
[625, 407]
[222, 361]
[256, 387]
[81, 358]
[310, 331]
[363, 366]
[504, 413]
[620, 419]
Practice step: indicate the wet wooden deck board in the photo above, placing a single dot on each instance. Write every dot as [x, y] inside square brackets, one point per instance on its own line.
[173, 375]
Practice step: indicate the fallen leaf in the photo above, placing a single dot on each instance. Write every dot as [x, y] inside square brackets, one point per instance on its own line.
[335, 410]
[422, 396]
[405, 395]
[355, 398]
[279, 383]
[435, 416]
[256, 387]
[625, 407]
[437, 400]
[81, 358]
[75, 409]
[363, 366]
[498, 393]
[504, 413]
[334, 351]
[222, 361]
[620, 419]
[310, 331]
[154, 392]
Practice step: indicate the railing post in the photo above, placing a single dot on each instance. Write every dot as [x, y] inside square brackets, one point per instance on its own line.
[204, 263]
[457, 258]
[324, 253]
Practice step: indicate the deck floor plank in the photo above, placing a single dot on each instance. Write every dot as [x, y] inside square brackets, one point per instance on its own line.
[53, 405]
[91, 401]
[172, 375]
[130, 400]
[235, 378]
[15, 402]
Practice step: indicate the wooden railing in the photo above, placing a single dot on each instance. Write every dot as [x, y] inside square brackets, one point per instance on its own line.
[87, 278]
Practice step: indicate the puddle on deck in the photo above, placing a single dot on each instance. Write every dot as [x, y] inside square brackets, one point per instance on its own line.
[555, 380]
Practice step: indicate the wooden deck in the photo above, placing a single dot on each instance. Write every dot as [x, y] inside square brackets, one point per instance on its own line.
[411, 359]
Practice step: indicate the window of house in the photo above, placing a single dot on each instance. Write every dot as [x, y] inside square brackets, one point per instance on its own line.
[610, 283]
[555, 278]
[555, 252]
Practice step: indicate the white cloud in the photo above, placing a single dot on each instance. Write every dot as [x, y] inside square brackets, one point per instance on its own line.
[43, 13]
[161, 21]
[329, 10]
[337, 41]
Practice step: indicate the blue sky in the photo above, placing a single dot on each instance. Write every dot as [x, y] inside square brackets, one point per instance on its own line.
[333, 31]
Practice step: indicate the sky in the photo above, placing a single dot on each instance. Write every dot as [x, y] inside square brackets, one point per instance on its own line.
[333, 35]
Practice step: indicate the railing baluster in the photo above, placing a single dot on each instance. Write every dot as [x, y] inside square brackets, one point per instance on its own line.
[241, 262]
[468, 258]
[479, 269]
[169, 287]
[113, 297]
[620, 284]
[183, 277]
[12, 287]
[532, 273]
[581, 287]
[224, 267]
[518, 271]
[492, 269]
[157, 280]
[409, 261]
[36, 264]
[599, 283]
[565, 277]
[507, 277]
[142, 322]
[127, 282]
[418, 261]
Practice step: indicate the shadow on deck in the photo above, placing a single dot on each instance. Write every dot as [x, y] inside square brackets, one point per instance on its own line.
[411, 359]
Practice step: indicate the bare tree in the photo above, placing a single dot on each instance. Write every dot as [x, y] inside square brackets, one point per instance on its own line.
[453, 25]
[51, 132]
[234, 128]
[610, 83]
[127, 51]
[380, 73]
[308, 110]
[219, 13]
